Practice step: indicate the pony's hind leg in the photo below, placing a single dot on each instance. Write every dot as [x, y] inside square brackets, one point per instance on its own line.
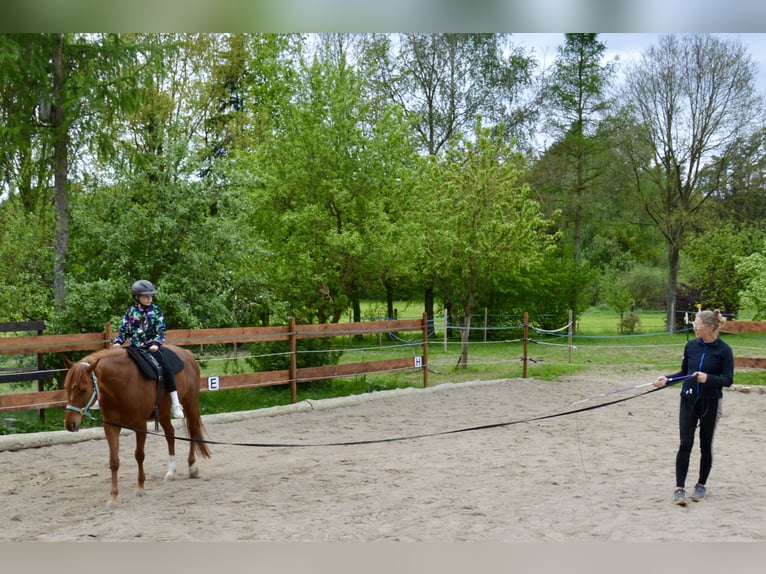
[193, 469]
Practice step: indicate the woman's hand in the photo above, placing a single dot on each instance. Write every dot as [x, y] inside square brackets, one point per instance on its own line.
[661, 381]
[700, 377]
[153, 348]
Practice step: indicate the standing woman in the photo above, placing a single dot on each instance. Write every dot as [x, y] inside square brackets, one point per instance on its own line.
[707, 367]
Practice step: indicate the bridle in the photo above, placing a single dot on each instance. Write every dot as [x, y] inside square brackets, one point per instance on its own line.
[93, 397]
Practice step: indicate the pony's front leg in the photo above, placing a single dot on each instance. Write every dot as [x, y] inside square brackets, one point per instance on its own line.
[167, 426]
[171, 473]
[113, 440]
[140, 455]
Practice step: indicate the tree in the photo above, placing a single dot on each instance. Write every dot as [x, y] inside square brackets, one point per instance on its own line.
[444, 81]
[27, 224]
[577, 101]
[146, 213]
[485, 222]
[691, 98]
[752, 270]
[741, 199]
[64, 85]
[326, 180]
[711, 256]
[24, 81]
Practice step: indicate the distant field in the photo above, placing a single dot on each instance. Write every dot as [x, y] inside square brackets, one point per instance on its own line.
[595, 321]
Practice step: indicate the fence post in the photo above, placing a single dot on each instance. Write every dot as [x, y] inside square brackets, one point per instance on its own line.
[40, 382]
[526, 345]
[107, 335]
[446, 328]
[570, 335]
[425, 349]
[293, 362]
[485, 324]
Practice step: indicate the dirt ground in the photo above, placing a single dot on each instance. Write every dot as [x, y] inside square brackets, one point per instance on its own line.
[603, 475]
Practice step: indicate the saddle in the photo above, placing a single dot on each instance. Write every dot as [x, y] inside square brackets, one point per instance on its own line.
[149, 365]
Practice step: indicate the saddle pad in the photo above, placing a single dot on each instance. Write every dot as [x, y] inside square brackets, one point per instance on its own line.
[143, 358]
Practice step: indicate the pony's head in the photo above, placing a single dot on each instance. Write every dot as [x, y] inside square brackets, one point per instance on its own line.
[81, 391]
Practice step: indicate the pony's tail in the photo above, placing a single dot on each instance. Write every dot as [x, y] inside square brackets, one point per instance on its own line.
[196, 431]
[193, 419]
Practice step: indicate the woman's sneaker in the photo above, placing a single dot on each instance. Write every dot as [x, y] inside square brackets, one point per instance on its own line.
[699, 493]
[679, 497]
[178, 411]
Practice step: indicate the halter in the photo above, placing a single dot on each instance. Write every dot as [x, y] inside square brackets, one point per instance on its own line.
[84, 410]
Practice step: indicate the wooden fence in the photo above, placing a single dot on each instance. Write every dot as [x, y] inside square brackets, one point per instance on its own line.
[23, 374]
[758, 327]
[39, 344]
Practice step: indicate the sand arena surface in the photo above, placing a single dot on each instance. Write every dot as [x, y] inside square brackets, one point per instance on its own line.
[602, 475]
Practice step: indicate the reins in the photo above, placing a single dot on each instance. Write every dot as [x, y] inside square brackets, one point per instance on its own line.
[410, 437]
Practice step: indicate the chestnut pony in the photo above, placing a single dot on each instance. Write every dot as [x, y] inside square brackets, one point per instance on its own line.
[126, 399]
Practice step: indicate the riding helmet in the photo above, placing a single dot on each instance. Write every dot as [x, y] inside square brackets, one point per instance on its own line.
[143, 287]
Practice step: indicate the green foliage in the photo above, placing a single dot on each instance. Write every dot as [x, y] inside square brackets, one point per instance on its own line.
[254, 177]
[691, 123]
[614, 291]
[446, 80]
[646, 285]
[485, 221]
[329, 184]
[629, 322]
[26, 263]
[711, 268]
[275, 355]
[548, 289]
[752, 270]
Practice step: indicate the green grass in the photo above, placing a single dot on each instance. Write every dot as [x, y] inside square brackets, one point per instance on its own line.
[597, 348]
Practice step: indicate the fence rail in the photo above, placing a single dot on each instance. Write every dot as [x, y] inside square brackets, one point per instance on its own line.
[20, 375]
[758, 327]
[186, 337]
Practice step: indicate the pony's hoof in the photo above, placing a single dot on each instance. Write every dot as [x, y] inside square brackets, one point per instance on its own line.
[193, 472]
[169, 477]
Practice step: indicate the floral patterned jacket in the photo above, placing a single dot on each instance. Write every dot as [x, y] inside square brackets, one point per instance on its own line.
[142, 326]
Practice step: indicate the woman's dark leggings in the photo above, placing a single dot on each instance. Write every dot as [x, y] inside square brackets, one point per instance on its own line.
[704, 411]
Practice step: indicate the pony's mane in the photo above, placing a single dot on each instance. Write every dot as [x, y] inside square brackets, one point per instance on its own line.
[80, 368]
[95, 356]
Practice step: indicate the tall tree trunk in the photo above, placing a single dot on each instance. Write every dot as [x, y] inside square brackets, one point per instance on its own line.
[469, 303]
[60, 169]
[673, 259]
[465, 335]
[428, 300]
[356, 305]
[390, 301]
[579, 197]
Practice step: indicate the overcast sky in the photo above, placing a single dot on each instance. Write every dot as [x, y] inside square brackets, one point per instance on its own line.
[630, 46]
